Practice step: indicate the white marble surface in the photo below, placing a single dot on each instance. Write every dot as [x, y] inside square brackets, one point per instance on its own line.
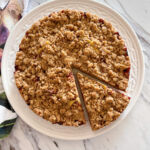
[134, 132]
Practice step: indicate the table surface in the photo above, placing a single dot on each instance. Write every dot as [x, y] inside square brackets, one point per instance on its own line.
[132, 133]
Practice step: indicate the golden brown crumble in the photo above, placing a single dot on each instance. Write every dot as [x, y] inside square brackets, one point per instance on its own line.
[103, 104]
[55, 44]
[51, 94]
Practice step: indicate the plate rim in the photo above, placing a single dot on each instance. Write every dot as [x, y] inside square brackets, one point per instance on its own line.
[138, 92]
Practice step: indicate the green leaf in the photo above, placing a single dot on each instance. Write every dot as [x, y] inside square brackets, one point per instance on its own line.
[6, 127]
[4, 131]
[3, 136]
[4, 101]
[3, 96]
[8, 123]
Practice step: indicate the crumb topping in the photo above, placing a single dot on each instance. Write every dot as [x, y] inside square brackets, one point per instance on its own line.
[103, 104]
[55, 44]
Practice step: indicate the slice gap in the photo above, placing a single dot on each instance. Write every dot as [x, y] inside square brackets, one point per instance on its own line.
[75, 71]
[98, 80]
[103, 104]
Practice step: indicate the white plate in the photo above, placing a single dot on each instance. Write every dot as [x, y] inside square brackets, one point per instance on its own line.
[9, 55]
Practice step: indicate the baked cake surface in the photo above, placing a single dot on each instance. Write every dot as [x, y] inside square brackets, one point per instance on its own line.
[103, 104]
[52, 47]
[52, 96]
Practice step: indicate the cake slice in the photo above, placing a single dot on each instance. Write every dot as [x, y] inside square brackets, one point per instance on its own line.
[103, 104]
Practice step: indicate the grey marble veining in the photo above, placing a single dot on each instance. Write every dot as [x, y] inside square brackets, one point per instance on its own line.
[131, 134]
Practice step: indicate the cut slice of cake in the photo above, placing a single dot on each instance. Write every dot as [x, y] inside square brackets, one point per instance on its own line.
[103, 104]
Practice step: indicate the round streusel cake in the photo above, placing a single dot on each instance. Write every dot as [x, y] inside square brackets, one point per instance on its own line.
[56, 44]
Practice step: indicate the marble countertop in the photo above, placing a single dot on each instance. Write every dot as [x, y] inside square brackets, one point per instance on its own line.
[131, 134]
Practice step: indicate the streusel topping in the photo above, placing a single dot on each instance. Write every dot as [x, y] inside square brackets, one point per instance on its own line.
[103, 104]
[55, 44]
